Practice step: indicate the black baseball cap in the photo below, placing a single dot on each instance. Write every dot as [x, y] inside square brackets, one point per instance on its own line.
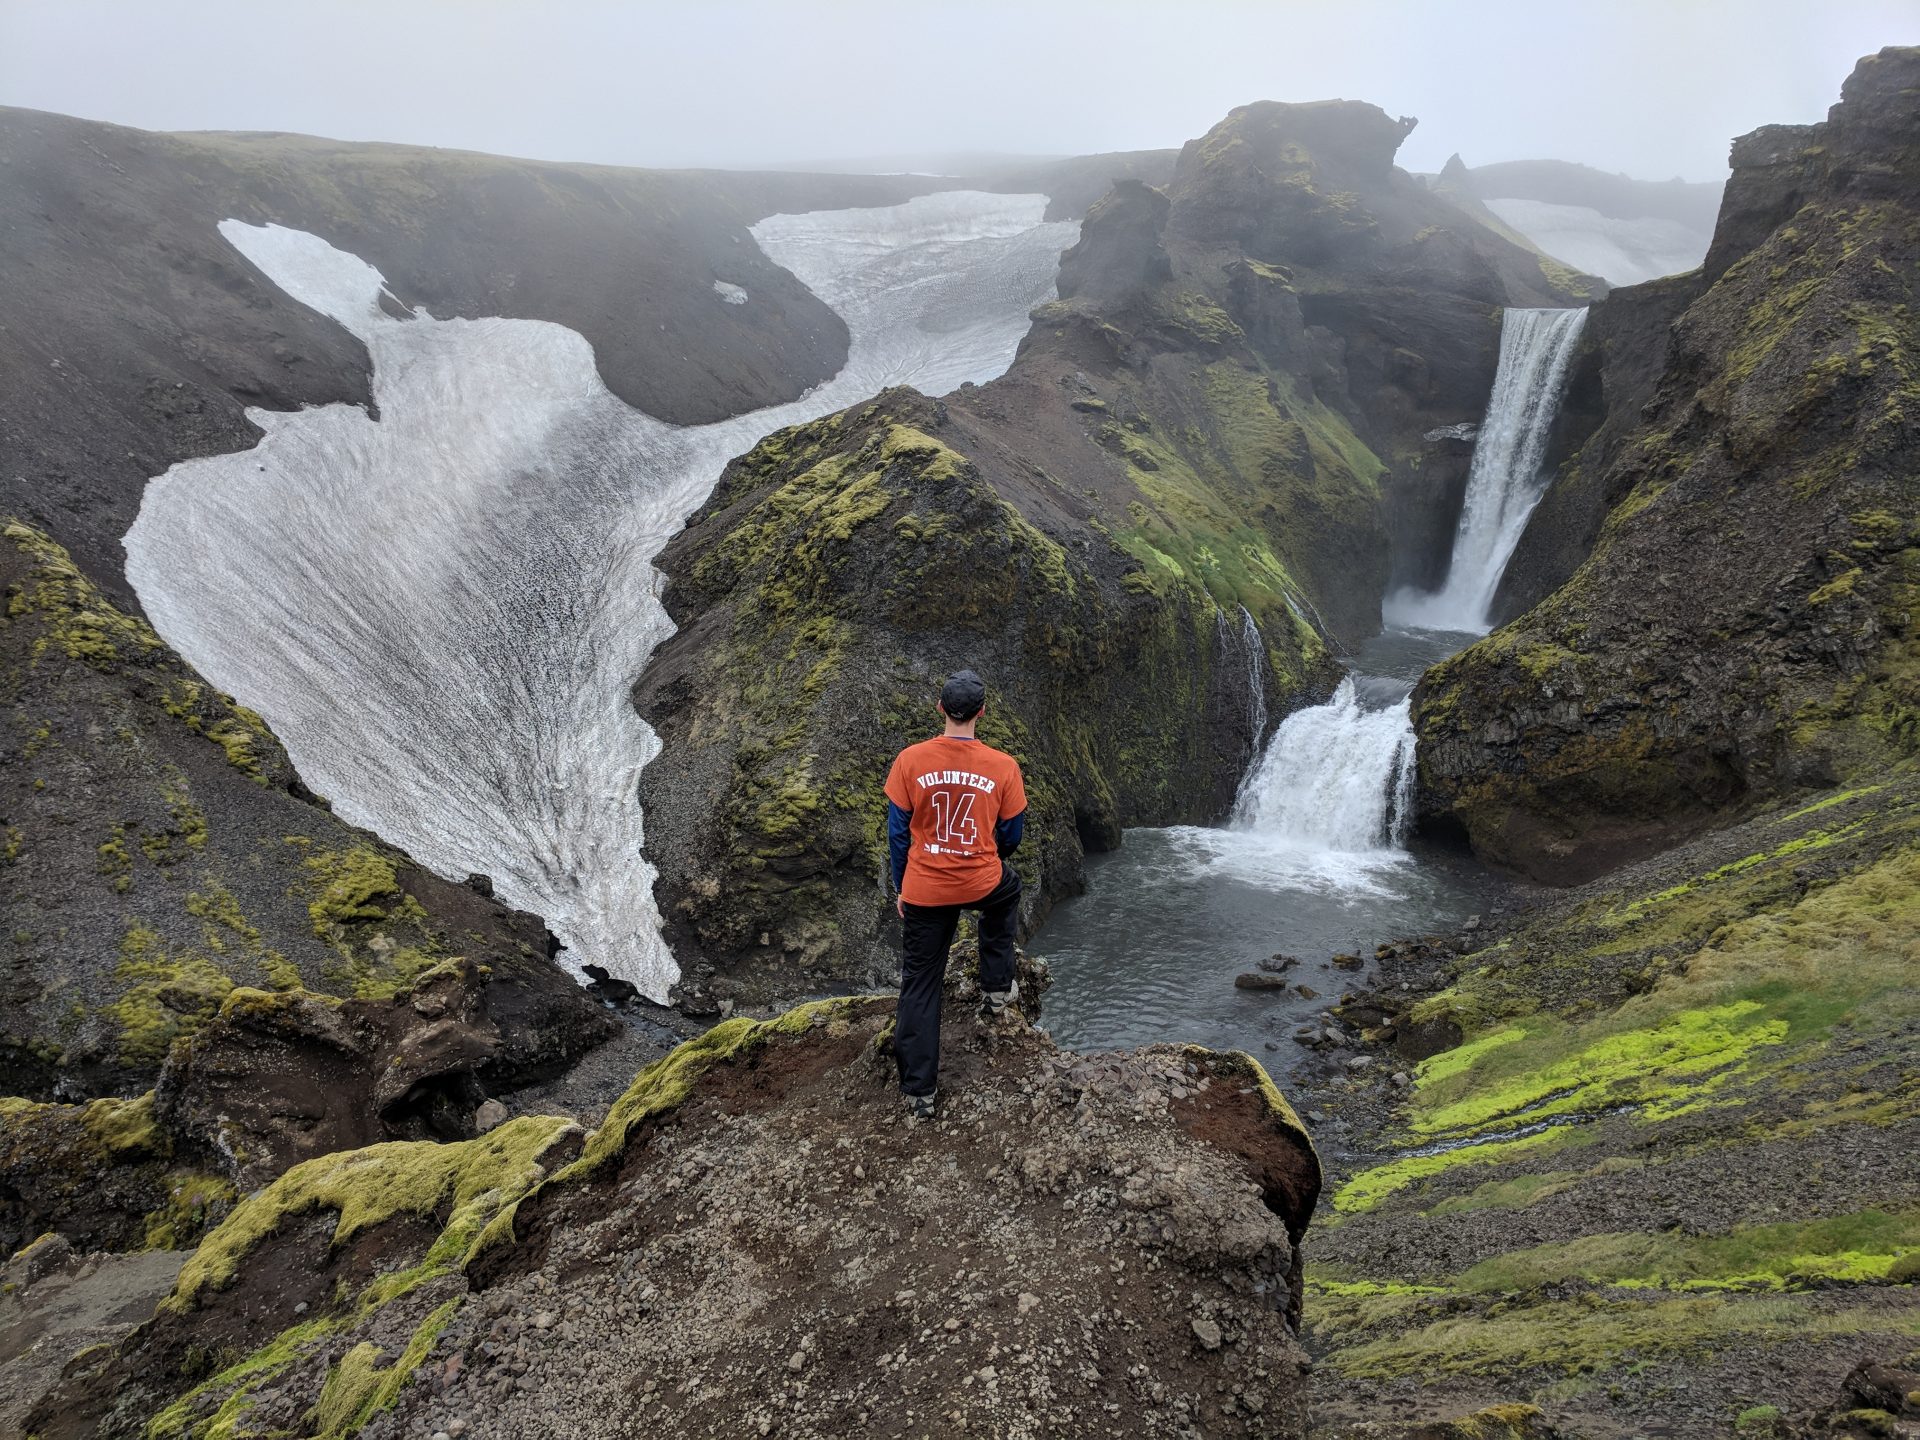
[963, 695]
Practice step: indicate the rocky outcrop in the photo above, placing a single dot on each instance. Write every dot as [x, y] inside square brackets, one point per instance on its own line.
[1199, 442]
[750, 1240]
[106, 1175]
[276, 1078]
[158, 852]
[1745, 624]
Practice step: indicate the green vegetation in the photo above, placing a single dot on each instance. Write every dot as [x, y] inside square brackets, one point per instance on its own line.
[168, 992]
[80, 623]
[468, 1180]
[356, 897]
[1593, 1333]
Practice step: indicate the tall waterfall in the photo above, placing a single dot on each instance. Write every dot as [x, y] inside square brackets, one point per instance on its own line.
[1337, 777]
[440, 611]
[1505, 482]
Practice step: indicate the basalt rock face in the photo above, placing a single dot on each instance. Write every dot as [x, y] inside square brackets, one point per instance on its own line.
[158, 851]
[1746, 622]
[743, 1246]
[1148, 532]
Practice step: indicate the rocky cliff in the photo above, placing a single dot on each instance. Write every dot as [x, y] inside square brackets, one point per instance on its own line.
[1745, 623]
[757, 1239]
[1146, 535]
[158, 852]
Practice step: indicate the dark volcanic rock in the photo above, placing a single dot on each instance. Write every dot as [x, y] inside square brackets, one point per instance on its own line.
[1746, 622]
[277, 1078]
[1614, 376]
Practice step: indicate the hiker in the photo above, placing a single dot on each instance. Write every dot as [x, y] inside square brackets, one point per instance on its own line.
[956, 808]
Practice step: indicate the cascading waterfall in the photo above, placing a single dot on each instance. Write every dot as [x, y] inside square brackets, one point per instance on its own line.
[1337, 777]
[1505, 481]
[440, 612]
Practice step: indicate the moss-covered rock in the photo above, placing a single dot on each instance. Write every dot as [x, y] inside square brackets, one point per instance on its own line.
[1745, 624]
[385, 1279]
[160, 851]
[104, 1176]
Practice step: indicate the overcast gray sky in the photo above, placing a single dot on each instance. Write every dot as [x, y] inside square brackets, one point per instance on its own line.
[1654, 88]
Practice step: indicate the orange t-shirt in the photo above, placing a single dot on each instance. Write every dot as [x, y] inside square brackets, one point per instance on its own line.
[956, 791]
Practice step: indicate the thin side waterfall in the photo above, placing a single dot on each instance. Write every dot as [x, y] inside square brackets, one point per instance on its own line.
[1505, 482]
[1337, 777]
[1256, 675]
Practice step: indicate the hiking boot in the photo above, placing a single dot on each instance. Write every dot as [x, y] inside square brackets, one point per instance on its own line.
[995, 1003]
[920, 1107]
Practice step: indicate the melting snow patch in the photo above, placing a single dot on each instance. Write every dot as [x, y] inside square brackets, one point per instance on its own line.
[732, 294]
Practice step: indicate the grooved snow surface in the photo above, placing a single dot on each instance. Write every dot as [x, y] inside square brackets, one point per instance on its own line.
[440, 612]
[1621, 252]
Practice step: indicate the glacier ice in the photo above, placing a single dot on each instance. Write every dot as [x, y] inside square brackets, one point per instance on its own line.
[440, 611]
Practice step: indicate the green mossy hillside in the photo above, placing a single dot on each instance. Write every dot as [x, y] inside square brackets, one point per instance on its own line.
[1668, 1132]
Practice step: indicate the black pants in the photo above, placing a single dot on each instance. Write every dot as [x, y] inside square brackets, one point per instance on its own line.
[926, 937]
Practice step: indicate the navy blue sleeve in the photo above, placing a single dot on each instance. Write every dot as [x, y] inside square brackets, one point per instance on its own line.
[899, 829]
[1008, 832]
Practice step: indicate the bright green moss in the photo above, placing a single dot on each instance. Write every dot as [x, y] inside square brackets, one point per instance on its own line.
[167, 993]
[125, 1128]
[1591, 1334]
[469, 1180]
[80, 622]
[1610, 1069]
[1368, 1188]
[193, 1201]
[1853, 1248]
[352, 886]
[359, 1387]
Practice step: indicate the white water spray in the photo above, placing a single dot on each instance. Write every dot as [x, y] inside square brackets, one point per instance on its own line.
[440, 612]
[1504, 484]
[1337, 777]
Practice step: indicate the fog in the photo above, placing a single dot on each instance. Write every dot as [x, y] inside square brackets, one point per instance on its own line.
[1653, 88]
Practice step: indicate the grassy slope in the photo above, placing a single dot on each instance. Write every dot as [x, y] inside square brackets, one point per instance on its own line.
[1677, 1116]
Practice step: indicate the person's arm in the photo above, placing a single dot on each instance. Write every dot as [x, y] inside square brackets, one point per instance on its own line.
[899, 833]
[1008, 830]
